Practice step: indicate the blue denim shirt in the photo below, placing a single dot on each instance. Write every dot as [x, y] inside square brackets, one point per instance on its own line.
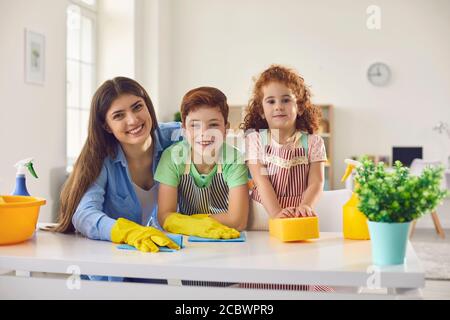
[112, 195]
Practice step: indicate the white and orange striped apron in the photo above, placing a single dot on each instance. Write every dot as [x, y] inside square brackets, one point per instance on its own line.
[288, 170]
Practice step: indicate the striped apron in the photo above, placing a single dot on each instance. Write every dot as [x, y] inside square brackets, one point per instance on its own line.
[288, 170]
[211, 199]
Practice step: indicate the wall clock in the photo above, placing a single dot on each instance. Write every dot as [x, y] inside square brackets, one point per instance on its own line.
[379, 74]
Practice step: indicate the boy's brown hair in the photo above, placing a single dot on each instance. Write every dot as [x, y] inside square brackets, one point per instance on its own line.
[204, 96]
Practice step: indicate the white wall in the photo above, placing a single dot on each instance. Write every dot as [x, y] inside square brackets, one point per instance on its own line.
[115, 39]
[154, 50]
[33, 117]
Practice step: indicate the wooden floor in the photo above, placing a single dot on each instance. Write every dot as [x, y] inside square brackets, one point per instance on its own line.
[434, 289]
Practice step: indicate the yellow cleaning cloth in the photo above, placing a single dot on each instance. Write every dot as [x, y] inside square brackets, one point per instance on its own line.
[1, 200]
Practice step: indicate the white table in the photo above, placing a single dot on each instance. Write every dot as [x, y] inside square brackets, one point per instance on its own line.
[44, 268]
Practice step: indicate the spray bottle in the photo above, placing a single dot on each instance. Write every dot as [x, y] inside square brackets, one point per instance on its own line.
[22, 166]
[354, 221]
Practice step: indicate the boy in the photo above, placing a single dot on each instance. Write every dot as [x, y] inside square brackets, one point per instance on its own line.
[203, 181]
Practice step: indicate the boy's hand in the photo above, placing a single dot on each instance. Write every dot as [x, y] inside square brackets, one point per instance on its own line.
[200, 225]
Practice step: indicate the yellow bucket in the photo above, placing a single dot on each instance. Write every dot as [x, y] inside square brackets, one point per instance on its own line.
[18, 218]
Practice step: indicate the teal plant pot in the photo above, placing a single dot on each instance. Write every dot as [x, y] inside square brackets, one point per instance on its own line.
[389, 242]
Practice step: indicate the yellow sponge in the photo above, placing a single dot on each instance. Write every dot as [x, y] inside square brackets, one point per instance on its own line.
[294, 229]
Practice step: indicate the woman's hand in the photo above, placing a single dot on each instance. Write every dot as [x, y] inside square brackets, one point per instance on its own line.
[146, 239]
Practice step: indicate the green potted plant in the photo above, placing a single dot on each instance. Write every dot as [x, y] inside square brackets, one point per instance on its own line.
[391, 199]
[177, 116]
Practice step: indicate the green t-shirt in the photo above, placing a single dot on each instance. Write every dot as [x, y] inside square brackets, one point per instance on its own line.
[173, 161]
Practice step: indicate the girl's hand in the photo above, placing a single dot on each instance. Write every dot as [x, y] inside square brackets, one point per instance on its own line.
[304, 210]
[286, 213]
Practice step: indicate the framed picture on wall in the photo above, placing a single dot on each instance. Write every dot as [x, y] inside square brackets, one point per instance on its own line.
[34, 57]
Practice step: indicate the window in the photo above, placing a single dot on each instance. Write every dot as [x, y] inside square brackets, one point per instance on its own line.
[80, 73]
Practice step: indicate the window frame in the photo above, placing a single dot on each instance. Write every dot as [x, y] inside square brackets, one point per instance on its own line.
[89, 12]
[85, 5]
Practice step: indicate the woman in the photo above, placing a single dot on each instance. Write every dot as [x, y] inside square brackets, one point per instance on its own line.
[111, 194]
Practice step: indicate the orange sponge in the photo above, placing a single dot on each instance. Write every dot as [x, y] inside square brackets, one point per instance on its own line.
[294, 229]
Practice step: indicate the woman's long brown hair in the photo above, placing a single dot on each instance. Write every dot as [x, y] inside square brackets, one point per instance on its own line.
[99, 144]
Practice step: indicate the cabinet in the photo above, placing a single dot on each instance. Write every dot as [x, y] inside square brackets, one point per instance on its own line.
[326, 132]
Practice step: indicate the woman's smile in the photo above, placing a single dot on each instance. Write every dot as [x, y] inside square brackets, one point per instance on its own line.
[137, 131]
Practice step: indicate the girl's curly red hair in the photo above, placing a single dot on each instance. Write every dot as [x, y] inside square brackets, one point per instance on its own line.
[308, 121]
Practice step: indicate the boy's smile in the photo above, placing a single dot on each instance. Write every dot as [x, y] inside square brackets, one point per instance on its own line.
[205, 130]
[205, 142]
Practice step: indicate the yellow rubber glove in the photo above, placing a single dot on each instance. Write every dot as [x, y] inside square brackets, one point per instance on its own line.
[200, 225]
[146, 239]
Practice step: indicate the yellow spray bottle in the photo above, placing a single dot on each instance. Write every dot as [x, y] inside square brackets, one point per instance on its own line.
[354, 221]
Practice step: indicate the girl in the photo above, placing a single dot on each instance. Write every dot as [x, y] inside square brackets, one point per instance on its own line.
[111, 193]
[202, 175]
[286, 159]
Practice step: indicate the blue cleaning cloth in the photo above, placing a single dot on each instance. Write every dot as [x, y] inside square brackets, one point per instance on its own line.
[242, 238]
[177, 238]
